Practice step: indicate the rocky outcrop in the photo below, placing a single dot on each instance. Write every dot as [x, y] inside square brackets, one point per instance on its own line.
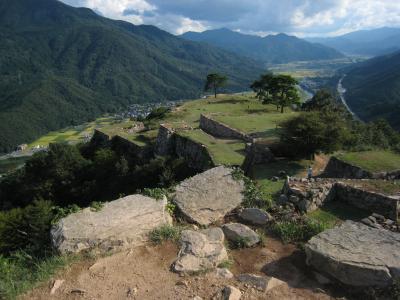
[222, 130]
[337, 168]
[230, 293]
[119, 224]
[194, 153]
[356, 254]
[255, 216]
[207, 197]
[130, 150]
[200, 251]
[240, 234]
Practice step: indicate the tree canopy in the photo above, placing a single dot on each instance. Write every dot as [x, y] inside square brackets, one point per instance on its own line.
[280, 90]
[215, 81]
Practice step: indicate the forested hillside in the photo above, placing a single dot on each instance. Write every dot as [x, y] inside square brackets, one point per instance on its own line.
[280, 48]
[373, 89]
[60, 66]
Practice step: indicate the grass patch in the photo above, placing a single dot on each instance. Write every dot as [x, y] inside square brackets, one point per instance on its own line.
[226, 264]
[21, 272]
[379, 186]
[373, 161]
[300, 231]
[165, 233]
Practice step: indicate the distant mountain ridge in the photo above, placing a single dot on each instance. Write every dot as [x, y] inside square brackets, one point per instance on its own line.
[61, 66]
[280, 48]
[373, 89]
[365, 42]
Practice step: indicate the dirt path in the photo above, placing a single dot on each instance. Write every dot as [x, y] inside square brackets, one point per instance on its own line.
[144, 273]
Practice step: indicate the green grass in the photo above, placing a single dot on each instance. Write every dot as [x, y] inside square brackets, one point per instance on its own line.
[224, 152]
[165, 233]
[291, 231]
[263, 173]
[373, 161]
[263, 124]
[22, 272]
[380, 186]
[74, 134]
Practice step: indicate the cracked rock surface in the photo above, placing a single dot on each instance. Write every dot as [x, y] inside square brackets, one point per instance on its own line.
[207, 197]
[356, 254]
[200, 251]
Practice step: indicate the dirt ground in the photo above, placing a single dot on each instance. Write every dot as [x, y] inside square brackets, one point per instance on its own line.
[144, 273]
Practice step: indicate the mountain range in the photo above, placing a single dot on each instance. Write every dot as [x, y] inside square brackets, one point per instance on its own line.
[61, 66]
[364, 42]
[280, 48]
[373, 88]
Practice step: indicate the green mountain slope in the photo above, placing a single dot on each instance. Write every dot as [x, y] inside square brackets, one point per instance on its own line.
[61, 66]
[279, 48]
[373, 89]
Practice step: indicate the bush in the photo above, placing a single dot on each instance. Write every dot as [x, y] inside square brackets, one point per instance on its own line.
[27, 229]
[156, 193]
[302, 231]
[165, 233]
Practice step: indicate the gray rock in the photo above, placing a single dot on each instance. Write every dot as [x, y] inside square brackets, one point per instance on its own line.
[356, 254]
[208, 197]
[231, 293]
[120, 223]
[255, 216]
[223, 273]
[368, 221]
[261, 283]
[200, 251]
[379, 217]
[236, 232]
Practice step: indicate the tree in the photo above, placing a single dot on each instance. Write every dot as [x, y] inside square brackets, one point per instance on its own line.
[280, 90]
[214, 82]
[311, 132]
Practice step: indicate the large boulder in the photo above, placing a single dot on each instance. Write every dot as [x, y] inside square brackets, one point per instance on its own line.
[356, 254]
[241, 234]
[209, 196]
[200, 251]
[121, 223]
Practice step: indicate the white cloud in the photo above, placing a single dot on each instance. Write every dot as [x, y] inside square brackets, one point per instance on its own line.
[303, 17]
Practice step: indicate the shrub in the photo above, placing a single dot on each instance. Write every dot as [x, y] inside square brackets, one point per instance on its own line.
[253, 197]
[27, 229]
[156, 193]
[165, 233]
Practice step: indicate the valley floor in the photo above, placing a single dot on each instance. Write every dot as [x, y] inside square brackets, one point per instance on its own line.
[144, 273]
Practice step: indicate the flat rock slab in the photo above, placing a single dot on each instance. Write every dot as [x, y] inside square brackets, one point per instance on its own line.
[239, 233]
[120, 223]
[207, 197]
[356, 254]
[200, 251]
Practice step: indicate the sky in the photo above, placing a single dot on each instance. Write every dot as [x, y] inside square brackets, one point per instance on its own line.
[304, 18]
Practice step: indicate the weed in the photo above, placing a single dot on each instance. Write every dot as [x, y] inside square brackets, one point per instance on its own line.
[96, 206]
[156, 193]
[227, 264]
[171, 208]
[239, 243]
[165, 233]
